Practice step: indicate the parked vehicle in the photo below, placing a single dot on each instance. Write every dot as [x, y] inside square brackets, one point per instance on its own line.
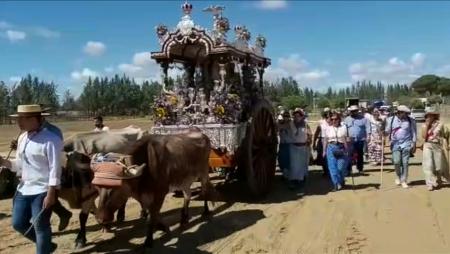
[418, 114]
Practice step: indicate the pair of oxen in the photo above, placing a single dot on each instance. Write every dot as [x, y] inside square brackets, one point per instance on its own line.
[167, 162]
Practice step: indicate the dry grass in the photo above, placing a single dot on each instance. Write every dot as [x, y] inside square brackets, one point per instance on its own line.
[10, 132]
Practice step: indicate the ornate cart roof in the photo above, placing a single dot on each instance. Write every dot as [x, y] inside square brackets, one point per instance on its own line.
[191, 43]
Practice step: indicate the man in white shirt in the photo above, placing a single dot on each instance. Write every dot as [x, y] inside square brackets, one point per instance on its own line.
[99, 124]
[38, 160]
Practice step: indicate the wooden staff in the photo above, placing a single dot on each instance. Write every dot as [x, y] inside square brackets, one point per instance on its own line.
[382, 161]
[10, 150]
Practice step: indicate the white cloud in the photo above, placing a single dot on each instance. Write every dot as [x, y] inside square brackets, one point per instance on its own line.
[418, 59]
[298, 68]
[292, 63]
[5, 25]
[94, 48]
[444, 71]
[142, 67]
[272, 4]
[46, 33]
[394, 70]
[15, 79]
[312, 76]
[109, 69]
[84, 74]
[129, 68]
[14, 35]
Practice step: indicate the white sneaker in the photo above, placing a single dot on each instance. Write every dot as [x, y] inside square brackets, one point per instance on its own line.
[405, 185]
[397, 181]
[430, 187]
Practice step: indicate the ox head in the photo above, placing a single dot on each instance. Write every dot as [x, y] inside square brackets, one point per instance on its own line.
[110, 200]
[113, 198]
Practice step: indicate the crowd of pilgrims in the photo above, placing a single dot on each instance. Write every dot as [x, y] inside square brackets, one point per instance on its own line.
[356, 136]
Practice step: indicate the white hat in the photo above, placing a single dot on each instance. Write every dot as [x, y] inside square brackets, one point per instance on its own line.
[353, 108]
[29, 110]
[403, 108]
[326, 109]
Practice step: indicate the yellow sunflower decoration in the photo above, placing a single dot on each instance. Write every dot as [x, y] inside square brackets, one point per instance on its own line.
[173, 100]
[219, 110]
[160, 112]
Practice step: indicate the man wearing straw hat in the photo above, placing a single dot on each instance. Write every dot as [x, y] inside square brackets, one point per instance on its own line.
[403, 135]
[433, 161]
[38, 160]
[359, 133]
[63, 214]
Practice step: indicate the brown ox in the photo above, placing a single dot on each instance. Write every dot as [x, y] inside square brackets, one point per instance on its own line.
[77, 189]
[173, 162]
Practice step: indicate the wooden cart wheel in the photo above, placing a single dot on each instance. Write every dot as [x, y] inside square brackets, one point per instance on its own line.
[260, 149]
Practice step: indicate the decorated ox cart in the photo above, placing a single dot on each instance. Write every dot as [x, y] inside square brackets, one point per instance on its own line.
[219, 89]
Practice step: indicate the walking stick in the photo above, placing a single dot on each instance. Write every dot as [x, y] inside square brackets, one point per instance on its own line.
[10, 150]
[382, 161]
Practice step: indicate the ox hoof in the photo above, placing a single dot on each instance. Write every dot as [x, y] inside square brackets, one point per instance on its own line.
[80, 244]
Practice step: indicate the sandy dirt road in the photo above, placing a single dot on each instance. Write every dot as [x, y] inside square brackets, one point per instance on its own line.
[360, 219]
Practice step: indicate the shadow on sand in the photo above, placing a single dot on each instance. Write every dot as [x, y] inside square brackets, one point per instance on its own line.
[215, 228]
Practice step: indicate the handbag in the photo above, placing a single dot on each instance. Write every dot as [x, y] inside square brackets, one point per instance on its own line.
[338, 152]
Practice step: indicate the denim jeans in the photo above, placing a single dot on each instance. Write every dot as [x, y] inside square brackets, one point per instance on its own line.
[400, 157]
[26, 208]
[337, 166]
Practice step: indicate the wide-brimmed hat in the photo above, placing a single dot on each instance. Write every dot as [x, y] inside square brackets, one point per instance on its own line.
[353, 108]
[432, 112]
[299, 110]
[29, 110]
[285, 113]
[403, 108]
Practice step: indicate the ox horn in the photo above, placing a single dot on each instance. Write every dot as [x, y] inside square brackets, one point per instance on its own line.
[136, 171]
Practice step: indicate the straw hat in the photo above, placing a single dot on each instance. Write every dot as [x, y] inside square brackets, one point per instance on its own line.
[353, 108]
[299, 110]
[432, 112]
[403, 108]
[29, 110]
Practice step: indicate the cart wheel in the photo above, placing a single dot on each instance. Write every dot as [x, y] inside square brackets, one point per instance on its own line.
[260, 148]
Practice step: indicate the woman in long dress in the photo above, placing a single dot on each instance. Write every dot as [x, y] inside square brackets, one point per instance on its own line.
[284, 132]
[299, 149]
[376, 141]
[435, 147]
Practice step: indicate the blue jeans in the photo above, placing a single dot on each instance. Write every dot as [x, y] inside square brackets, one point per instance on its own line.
[336, 166]
[27, 207]
[400, 157]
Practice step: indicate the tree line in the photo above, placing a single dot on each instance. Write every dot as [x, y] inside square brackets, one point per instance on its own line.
[122, 95]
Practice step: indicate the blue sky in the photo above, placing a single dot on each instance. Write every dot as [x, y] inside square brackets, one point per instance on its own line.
[319, 43]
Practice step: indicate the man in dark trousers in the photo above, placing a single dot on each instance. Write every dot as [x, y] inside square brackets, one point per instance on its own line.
[358, 129]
